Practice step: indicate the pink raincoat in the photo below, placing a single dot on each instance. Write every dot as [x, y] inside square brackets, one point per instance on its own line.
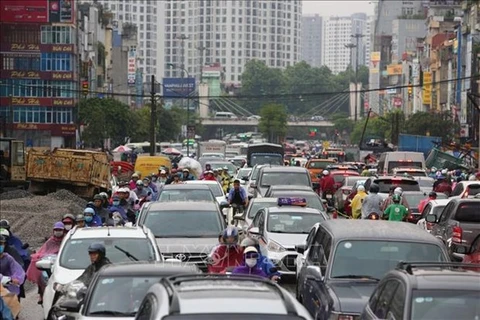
[50, 247]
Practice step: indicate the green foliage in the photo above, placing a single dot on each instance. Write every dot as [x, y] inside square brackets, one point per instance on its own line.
[342, 122]
[273, 123]
[434, 124]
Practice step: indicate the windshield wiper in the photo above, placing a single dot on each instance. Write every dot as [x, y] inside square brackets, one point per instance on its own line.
[356, 276]
[128, 254]
[114, 313]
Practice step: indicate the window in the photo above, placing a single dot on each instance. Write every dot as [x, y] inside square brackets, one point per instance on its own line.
[147, 308]
[397, 303]
[386, 296]
[56, 35]
[56, 62]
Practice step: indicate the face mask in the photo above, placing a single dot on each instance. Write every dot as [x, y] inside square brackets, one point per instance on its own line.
[58, 234]
[88, 218]
[2, 247]
[116, 203]
[251, 262]
[68, 227]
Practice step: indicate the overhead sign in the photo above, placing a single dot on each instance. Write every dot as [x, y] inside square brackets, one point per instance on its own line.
[37, 11]
[132, 67]
[394, 69]
[375, 62]
[178, 87]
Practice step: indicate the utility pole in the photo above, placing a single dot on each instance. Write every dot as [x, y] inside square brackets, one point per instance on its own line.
[357, 37]
[153, 117]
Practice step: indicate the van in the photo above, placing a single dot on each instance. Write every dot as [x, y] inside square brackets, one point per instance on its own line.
[225, 115]
[146, 165]
[400, 159]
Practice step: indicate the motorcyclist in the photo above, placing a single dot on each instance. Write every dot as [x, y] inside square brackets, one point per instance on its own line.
[208, 168]
[105, 199]
[177, 178]
[100, 211]
[228, 254]
[396, 191]
[327, 184]
[431, 196]
[263, 261]
[226, 179]
[80, 220]
[143, 192]
[238, 195]
[396, 211]
[16, 243]
[442, 185]
[116, 207]
[186, 175]
[68, 220]
[208, 176]
[147, 183]
[357, 202]
[115, 219]
[91, 218]
[250, 264]
[98, 259]
[162, 179]
[372, 203]
[12, 274]
[133, 182]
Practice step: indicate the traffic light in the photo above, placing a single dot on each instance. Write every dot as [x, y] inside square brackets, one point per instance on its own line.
[312, 132]
[85, 87]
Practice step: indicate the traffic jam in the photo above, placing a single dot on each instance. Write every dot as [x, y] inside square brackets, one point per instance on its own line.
[247, 231]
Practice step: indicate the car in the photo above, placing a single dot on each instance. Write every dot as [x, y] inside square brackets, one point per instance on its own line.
[121, 243]
[254, 117]
[458, 225]
[465, 188]
[186, 192]
[115, 284]
[254, 206]
[413, 199]
[430, 290]
[347, 258]
[346, 188]
[316, 166]
[238, 161]
[342, 167]
[313, 199]
[278, 175]
[217, 164]
[425, 183]
[434, 207]
[214, 186]
[215, 297]
[411, 172]
[284, 226]
[340, 175]
[186, 231]
[243, 175]
[386, 182]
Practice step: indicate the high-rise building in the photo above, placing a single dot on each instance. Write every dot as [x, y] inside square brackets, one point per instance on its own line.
[148, 15]
[230, 32]
[338, 33]
[312, 26]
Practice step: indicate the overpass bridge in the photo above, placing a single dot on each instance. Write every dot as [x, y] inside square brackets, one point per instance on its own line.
[254, 123]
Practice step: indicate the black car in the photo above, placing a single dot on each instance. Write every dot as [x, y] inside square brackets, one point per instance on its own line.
[426, 291]
[347, 258]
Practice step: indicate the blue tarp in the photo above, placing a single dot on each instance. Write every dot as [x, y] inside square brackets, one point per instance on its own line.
[408, 142]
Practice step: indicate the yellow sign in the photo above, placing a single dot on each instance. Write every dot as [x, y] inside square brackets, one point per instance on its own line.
[427, 80]
[427, 97]
[375, 56]
[25, 102]
[394, 69]
[326, 145]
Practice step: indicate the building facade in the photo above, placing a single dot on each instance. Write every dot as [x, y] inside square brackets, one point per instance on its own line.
[230, 32]
[312, 29]
[38, 72]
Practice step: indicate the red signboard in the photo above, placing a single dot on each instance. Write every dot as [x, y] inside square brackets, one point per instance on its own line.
[24, 10]
[36, 102]
[23, 47]
[43, 75]
[55, 129]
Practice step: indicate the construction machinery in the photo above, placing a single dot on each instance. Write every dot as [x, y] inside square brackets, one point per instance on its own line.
[12, 164]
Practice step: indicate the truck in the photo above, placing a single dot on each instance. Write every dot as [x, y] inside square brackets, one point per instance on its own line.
[443, 160]
[265, 153]
[83, 172]
[12, 164]
[211, 147]
[424, 144]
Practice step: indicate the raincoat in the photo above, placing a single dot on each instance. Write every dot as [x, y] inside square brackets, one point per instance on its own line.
[15, 242]
[254, 271]
[93, 268]
[50, 247]
[10, 268]
[225, 256]
[357, 204]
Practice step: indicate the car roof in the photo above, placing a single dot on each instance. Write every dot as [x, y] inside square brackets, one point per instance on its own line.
[200, 182]
[343, 229]
[439, 202]
[266, 200]
[108, 232]
[187, 186]
[144, 268]
[395, 177]
[292, 209]
[284, 169]
[183, 205]
[290, 188]
[414, 192]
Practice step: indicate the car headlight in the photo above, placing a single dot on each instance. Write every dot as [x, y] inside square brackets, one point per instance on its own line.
[275, 246]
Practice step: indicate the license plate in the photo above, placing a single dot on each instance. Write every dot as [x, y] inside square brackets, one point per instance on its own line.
[329, 196]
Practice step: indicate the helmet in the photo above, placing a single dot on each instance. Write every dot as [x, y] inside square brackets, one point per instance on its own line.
[374, 188]
[360, 188]
[225, 168]
[89, 211]
[135, 175]
[4, 233]
[80, 217]
[398, 191]
[58, 225]
[139, 183]
[432, 194]
[97, 247]
[97, 197]
[68, 216]
[396, 198]
[104, 195]
[444, 171]
[325, 172]
[230, 232]
[4, 224]
[247, 242]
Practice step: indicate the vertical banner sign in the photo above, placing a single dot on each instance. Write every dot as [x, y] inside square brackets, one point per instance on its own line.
[132, 67]
[427, 87]
[468, 62]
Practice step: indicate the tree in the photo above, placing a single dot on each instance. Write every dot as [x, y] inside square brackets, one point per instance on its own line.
[433, 124]
[377, 127]
[273, 122]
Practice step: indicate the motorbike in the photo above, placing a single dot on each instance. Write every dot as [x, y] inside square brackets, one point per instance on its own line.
[373, 216]
[229, 271]
[70, 294]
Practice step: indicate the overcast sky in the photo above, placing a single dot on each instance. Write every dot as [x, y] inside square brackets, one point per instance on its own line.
[327, 8]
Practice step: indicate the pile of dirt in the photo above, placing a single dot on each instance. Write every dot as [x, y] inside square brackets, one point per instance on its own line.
[32, 218]
[15, 194]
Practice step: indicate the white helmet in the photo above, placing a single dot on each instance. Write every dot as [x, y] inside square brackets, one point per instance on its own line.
[325, 172]
[398, 191]
[360, 188]
[444, 171]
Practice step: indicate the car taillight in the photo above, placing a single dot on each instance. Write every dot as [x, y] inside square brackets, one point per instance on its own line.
[457, 234]
[346, 192]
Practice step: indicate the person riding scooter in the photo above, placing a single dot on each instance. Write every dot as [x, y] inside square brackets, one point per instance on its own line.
[228, 253]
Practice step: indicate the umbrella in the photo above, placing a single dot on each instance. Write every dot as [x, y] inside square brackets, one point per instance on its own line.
[171, 151]
[122, 149]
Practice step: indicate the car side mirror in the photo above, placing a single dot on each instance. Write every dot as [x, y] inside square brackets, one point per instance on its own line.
[314, 273]
[45, 264]
[82, 293]
[300, 248]
[71, 305]
[224, 204]
[431, 218]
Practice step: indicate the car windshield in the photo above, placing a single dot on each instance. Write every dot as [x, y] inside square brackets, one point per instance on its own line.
[406, 185]
[243, 173]
[266, 159]
[468, 212]
[411, 164]
[372, 258]
[284, 178]
[191, 223]
[313, 200]
[445, 304]
[217, 165]
[318, 164]
[350, 181]
[425, 183]
[292, 222]
[118, 296]
[257, 205]
[74, 254]
[171, 195]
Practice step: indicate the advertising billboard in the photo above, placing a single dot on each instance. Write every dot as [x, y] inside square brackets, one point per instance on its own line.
[44, 75]
[37, 102]
[178, 87]
[37, 11]
[131, 67]
[394, 69]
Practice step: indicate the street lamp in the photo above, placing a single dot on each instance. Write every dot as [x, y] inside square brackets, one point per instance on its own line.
[171, 65]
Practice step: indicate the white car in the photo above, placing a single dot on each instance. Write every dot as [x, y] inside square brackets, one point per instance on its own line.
[464, 189]
[122, 244]
[432, 207]
[214, 186]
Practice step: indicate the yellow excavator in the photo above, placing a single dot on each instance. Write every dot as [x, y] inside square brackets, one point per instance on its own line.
[13, 173]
